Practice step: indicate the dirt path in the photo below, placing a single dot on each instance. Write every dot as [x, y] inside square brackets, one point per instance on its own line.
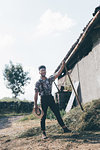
[10, 128]
[6, 122]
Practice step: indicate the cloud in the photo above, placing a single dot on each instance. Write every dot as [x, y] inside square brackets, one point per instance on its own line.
[53, 22]
[6, 40]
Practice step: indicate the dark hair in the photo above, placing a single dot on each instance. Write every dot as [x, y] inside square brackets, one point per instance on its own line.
[42, 66]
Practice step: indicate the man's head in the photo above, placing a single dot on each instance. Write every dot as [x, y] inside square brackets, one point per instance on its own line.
[42, 70]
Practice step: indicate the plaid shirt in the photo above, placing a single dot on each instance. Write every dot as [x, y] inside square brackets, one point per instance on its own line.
[44, 87]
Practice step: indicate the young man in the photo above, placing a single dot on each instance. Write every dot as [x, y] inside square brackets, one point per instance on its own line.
[43, 87]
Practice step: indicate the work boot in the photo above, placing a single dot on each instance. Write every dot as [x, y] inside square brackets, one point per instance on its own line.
[44, 135]
[66, 130]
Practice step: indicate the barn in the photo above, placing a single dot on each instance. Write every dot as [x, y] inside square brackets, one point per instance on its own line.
[83, 61]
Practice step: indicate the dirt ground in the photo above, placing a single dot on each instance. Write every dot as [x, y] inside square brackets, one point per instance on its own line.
[10, 128]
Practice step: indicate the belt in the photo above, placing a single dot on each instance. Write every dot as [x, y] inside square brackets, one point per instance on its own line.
[46, 95]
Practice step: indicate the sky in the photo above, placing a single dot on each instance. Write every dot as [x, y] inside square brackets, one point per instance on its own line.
[39, 32]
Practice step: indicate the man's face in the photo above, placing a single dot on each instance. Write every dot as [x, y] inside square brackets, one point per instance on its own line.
[42, 72]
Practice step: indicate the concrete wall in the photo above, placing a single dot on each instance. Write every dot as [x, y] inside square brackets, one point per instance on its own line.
[87, 72]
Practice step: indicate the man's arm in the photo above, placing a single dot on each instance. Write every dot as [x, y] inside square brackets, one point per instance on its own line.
[35, 99]
[60, 70]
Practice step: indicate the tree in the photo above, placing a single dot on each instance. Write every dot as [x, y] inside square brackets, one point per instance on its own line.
[16, 78]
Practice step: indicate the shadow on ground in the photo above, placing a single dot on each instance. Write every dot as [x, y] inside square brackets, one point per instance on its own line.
[6, 122]
[84, 137]
[76, 137]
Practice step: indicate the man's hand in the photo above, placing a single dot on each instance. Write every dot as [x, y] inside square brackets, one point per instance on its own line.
[60, 70]
[36, 107]
[37, 110]
[63, 63]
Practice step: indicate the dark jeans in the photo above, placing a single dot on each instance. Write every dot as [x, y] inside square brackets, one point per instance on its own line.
[48, 100]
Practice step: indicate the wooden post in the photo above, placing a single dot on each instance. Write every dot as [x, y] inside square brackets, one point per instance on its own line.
[74, 88]
[57, 87]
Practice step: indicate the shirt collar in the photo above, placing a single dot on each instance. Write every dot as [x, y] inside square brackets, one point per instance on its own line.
[42, 79]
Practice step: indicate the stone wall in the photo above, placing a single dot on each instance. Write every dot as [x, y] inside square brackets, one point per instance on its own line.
[16, 107]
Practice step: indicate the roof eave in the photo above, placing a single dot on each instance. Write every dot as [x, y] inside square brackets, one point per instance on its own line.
[80, 40]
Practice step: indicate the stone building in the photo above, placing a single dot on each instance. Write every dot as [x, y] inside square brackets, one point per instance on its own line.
[83, 61]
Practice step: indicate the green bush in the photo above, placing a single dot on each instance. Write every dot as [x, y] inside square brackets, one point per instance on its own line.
[50, 114]
[12, 105]
[28, 117]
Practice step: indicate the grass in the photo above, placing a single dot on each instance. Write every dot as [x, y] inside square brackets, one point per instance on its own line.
[2, 115]
[28, 117]
[51, 116]
[84, 121]
[76, 120]
[30, 132]
[81, 122]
